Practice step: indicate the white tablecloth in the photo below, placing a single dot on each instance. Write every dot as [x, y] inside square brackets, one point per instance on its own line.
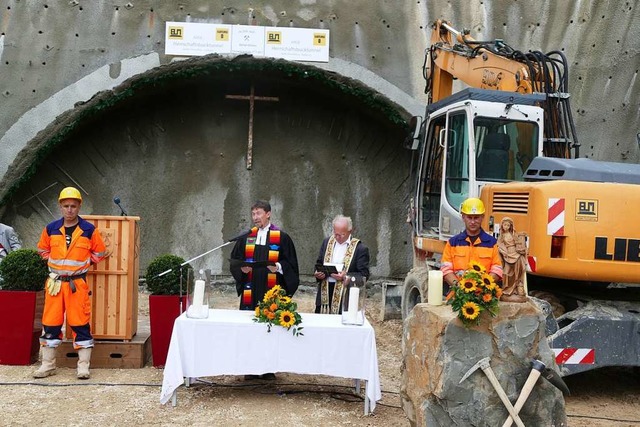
[229, 342]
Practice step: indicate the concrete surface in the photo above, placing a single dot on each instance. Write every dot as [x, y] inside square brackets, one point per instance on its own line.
[174, 152]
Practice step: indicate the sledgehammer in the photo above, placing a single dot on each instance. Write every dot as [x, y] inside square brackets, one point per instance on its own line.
[486, 368]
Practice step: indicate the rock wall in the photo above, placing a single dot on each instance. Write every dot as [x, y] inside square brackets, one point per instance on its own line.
[438, 350]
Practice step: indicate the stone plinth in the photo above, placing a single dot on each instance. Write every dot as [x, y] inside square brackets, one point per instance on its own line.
[438, 350]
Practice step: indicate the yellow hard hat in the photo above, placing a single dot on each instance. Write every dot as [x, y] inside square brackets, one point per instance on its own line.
[472, 206]
[70, 193]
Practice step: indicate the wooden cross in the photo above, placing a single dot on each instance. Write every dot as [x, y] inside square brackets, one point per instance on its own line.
[252, 98]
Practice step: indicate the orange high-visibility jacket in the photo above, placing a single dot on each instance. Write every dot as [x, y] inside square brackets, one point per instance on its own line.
[86, 247]
[459, 252]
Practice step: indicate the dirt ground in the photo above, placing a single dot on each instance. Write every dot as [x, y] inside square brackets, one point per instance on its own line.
[116, 397]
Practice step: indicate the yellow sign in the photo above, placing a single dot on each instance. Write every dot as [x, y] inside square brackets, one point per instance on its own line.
[319, 39]
[586, 210]
[222, 34]
[274, 37]
[176, 33]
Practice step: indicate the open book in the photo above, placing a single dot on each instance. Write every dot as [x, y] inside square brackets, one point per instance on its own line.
[329, 268]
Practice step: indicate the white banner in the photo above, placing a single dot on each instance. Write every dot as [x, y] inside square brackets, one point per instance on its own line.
[295, 44]
[191, 39]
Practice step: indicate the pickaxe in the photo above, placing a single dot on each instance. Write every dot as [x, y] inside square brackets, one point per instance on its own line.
[486, 368]
[537, 368]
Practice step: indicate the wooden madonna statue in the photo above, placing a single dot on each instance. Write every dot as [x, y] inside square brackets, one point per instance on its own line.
[513, 252]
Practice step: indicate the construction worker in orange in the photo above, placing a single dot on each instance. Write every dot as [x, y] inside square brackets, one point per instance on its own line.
[70, 245]
[471, 245]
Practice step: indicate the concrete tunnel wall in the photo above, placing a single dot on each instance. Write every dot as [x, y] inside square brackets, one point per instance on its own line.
[175, 155]
[56, 54]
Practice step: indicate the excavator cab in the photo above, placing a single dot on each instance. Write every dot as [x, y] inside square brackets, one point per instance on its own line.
[468, 140]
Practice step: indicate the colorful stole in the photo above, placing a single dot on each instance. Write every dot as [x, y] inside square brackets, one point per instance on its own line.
[338, 289]
[273, 240]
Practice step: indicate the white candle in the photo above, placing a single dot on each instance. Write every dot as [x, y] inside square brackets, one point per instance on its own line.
[198, 294]
[434, 295]
[352, 311]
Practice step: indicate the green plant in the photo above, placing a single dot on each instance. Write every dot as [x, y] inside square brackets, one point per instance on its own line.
[23, 270]
[168, 284]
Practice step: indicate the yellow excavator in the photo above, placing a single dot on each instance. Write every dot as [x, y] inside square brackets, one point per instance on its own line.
[508, 138]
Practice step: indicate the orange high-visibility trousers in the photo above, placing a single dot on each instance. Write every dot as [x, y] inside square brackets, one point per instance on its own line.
[77, 306]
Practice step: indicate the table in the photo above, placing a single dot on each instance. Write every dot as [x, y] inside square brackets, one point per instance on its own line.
[227, 342]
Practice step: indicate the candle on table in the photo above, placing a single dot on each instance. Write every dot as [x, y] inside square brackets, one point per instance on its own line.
[198, 294]
[352, 311]
[434, 295]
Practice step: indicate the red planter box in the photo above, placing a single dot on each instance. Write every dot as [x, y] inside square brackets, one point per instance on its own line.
[20, 326]
[163, 311]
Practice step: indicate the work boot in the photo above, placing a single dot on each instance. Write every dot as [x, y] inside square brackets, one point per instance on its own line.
[84, 357]
[48, 366]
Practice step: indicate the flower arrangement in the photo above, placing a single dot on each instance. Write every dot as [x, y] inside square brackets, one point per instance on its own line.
[475, 292]
[277, 308]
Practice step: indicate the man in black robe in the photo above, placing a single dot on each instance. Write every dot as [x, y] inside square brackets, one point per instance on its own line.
[346, 251]
[274, 254]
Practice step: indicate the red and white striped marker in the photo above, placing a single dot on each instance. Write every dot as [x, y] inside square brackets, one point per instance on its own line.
[555, 220]
[575, 356]
[532, 266]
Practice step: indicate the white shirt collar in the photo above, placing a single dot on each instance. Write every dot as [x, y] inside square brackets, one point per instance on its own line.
[261, 238]
[266, 227]
[346, 242]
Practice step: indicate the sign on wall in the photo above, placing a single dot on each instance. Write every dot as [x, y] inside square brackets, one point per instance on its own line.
[295, 44]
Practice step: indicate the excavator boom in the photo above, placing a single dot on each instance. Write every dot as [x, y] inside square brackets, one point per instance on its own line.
[457, 55]
[494, 65]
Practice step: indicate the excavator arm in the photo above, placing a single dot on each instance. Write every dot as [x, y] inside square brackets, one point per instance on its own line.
[494, 65]
[457, 55]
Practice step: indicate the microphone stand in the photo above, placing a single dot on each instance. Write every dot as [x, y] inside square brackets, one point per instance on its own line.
[187, 262]
[180, 299]
[187, 285]
[195, 258]
[116, 200]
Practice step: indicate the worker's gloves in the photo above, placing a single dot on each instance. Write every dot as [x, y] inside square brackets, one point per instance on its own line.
[53, 284]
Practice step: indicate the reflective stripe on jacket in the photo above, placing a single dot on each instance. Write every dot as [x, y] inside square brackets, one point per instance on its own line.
[86, 247]
[459, 252]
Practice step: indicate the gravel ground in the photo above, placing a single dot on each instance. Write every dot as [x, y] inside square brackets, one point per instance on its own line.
[116, 397]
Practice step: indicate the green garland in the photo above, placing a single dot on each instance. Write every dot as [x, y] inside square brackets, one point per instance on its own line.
[195, 67]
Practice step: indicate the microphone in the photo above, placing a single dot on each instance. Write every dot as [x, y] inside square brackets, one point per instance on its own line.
[239, 236]
[116, 200]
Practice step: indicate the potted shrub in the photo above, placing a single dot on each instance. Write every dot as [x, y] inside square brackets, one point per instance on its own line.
[165, 301]
[22, 276]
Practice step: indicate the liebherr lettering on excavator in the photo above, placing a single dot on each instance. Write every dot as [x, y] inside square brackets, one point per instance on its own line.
[623, 249]
[509, 139]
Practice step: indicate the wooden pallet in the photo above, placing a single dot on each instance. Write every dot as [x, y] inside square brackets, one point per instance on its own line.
[110, 354]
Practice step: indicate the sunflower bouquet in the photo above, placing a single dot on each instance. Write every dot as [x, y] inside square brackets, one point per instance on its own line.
[276, 308]
[475, 292]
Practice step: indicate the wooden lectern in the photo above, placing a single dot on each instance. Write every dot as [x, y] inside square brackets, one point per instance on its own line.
[114, 281]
